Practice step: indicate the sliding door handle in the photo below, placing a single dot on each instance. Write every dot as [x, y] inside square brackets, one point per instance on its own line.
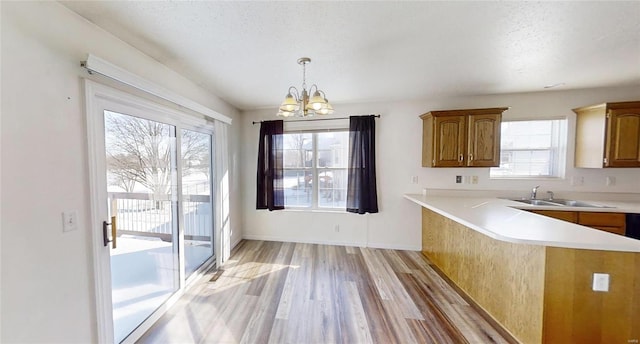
[114, 232]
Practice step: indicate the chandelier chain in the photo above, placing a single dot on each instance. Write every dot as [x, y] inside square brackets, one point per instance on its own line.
[304, 76]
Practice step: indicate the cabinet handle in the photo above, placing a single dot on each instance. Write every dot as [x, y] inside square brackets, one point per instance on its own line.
[460, 157]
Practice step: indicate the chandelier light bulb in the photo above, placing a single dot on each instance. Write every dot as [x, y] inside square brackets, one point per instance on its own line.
[289, 104]
[317, 101]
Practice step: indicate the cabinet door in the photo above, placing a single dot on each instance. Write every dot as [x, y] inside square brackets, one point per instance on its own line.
[623, 138]
[610, 229]
[610, 222]
[448, 141]
[484, 140]
[569, 216]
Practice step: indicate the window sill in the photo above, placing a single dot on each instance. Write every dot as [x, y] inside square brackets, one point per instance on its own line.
[316, 210]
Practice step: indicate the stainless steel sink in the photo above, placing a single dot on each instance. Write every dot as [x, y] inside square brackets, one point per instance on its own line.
[561, 203]
[537, 202]
[574, 203]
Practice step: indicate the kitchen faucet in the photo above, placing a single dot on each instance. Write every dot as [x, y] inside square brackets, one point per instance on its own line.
[534, 191]
[550, 193]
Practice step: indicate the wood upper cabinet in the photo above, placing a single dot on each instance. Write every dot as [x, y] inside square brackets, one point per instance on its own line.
[608, 135]
[449, 140]
[461, 138]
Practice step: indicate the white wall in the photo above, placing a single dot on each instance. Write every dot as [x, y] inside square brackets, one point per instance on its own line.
[399, 140]
[47, 276]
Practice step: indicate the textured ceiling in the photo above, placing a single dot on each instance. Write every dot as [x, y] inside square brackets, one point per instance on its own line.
[246, 52]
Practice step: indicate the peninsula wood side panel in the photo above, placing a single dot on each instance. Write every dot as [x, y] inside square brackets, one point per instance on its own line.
[574, 313]
[539, 294]
[496, 275]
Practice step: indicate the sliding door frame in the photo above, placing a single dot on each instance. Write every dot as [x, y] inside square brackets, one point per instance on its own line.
[99, 97]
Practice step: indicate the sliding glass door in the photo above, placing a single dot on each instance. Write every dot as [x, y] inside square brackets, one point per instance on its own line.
[152, 171]
[196, 199]
[141, 165]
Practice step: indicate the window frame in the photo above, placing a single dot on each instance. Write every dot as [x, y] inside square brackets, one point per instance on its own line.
[315, 171]
[558, 151]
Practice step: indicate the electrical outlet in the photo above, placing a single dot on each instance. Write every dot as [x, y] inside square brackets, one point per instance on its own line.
[414, 179]
[69, 221]
[600, 282]
[467, 179]
[336, 228]
[474, 179]
[458, 179]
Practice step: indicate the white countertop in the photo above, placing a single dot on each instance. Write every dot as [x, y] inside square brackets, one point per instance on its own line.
[503, 220]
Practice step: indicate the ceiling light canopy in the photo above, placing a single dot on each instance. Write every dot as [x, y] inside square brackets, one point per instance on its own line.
[299, 104]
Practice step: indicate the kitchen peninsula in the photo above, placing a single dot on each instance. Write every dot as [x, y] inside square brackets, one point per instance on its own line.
[533, 274]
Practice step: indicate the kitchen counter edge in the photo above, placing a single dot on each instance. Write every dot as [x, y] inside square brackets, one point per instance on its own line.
[507, 220]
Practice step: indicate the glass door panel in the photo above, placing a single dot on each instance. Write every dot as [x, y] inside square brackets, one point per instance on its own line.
[141, 177]
[197, 208]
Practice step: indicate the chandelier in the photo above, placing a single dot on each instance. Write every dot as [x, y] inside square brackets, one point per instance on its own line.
[299, 104]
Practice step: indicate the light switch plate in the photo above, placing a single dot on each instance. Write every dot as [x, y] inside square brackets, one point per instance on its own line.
[69, 221]
[600, 282]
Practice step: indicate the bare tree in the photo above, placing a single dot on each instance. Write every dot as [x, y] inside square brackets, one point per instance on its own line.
[121, 172]
[195, 152]
[297, 142]
[140, 151]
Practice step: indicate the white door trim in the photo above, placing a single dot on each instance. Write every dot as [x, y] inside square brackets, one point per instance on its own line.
[102, 277]
[97, 96]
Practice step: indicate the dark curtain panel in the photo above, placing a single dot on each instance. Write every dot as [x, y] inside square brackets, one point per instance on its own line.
[362, 196]
[270, 191]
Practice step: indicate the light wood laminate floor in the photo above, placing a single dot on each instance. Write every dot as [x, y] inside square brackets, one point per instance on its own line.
[275, 292]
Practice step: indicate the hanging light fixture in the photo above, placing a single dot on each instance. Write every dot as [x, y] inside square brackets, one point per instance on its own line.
[299, 104]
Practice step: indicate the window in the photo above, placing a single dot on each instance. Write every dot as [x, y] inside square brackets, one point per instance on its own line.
[530, 149]
[315, 169]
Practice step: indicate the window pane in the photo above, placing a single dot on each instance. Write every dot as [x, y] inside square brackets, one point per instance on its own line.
[530, 148]
[333, 149]
[526, 134]
[298, 150]
[297, 188]
[141, 165]
[315, 169]
[332, 188]
[196, 199]
[525, 163]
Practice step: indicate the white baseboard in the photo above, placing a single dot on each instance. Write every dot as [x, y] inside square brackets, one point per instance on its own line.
[328, 242]
[235, 243]
[395, 247]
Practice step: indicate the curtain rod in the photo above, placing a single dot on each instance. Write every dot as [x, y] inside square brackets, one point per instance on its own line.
[315, 119]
